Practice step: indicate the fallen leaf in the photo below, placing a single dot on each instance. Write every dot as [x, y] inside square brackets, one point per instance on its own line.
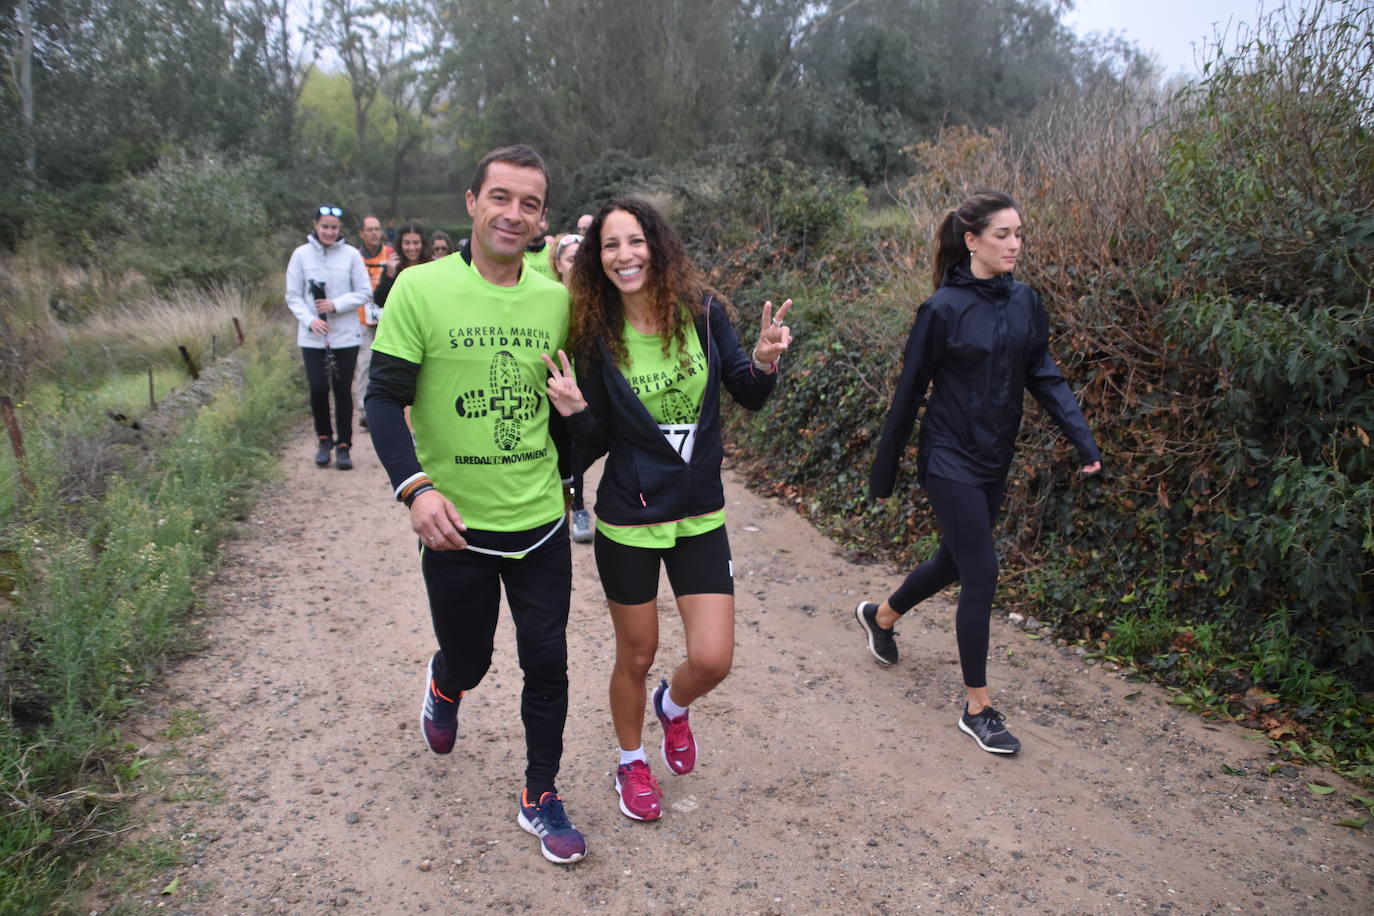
[1319, 789]
[172, 886]
[1356, 823]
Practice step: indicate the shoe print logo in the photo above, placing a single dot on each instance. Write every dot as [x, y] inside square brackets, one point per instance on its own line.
[676, 408]
[507, 395]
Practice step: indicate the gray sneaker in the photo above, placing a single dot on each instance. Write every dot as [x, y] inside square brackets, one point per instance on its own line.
[989, 731]
[582, 526]
[880, 641]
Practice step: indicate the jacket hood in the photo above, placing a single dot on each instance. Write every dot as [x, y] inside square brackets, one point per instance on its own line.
[961, 274]
[313, 239]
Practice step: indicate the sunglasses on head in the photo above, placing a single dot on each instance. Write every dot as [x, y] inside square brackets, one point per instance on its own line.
[571, 238]
[330, 211]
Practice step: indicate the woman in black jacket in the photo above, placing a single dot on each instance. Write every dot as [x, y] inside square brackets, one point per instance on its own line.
[653, 347]
[983, 339]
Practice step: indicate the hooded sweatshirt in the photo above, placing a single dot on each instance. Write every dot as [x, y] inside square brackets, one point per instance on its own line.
[340, 268]
[983, 343]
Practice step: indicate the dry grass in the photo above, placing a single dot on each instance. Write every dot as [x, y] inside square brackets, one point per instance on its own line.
[151, 330]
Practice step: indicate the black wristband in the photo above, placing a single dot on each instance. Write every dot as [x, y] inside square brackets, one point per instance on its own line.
[423, 488]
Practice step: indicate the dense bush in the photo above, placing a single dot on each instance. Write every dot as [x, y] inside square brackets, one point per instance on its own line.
[1205, 259]
[194, 220]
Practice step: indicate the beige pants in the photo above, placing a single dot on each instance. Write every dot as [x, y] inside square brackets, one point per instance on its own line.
[364, 363]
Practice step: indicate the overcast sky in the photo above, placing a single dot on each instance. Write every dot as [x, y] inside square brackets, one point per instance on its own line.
[1170, 29]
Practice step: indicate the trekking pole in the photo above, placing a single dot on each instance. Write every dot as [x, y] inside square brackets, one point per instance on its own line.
[331, 365]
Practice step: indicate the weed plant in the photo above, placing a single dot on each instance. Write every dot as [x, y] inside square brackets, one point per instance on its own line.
[106, 573]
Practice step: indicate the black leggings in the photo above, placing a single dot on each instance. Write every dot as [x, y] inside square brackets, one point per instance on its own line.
[465, 601]
[966, 514]
[346, 359]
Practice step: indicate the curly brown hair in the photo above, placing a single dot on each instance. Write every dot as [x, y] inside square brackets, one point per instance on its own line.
[597, 312]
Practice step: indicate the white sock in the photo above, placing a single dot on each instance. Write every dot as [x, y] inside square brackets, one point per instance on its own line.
[632, 756]
[671, 709]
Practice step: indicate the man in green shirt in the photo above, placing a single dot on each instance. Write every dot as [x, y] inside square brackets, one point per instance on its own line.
[462, 348]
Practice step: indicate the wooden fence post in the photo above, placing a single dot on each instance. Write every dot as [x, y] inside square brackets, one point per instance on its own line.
[238, 329]
[16, 442]
[190, 363]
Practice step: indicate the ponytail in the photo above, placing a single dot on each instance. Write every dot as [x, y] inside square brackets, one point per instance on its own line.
[949, 247]
[973, 216]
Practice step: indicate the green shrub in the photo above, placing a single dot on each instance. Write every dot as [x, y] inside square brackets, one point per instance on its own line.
[107, 570]
[195, 220]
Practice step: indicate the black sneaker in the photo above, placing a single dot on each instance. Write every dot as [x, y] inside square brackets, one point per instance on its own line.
[987, 729]
[880, 641]
[326, 445]
[342, 461]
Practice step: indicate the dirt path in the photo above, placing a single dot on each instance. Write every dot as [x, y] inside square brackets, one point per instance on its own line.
[827, 784]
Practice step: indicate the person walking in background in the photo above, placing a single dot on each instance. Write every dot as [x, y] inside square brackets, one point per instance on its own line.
[654, 346]
[539, 254]
[584, 223]
[461, 344]
[326, 284]
[983, 339]
[440, 245]
[410, 240]
[375, 254]
[561, 256]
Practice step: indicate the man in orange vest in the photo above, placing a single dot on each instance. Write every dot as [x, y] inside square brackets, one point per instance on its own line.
[375, 254]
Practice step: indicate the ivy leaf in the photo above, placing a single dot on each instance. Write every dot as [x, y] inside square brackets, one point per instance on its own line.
[1319, 789]
[172, 886]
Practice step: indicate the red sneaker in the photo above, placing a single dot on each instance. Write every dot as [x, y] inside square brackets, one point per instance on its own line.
[639, 791]
[679, 747]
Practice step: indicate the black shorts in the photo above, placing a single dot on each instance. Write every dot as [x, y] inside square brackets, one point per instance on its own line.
[698, 565]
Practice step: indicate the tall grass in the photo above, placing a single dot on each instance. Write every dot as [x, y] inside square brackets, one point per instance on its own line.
[103, 572]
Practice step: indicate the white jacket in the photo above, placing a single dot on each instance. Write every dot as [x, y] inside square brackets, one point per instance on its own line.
[346, 283]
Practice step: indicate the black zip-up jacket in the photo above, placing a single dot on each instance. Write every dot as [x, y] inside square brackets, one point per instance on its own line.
[645, 481]
[983, 343]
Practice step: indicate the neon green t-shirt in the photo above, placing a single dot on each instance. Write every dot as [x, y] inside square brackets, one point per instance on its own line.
[672, 395]
[481, 416]
[539, 260]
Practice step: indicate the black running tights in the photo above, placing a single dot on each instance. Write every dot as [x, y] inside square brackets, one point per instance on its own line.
[346, 360]
[966, 514]
[465, 601]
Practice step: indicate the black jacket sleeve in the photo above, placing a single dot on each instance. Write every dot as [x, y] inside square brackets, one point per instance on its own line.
[924, 346]
[1048, 385]
[562, 440]
[390, 390]
[382, 291]
[590, 428]
[746, 384]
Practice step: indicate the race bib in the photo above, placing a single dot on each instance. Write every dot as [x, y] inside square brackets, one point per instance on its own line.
[682, 437]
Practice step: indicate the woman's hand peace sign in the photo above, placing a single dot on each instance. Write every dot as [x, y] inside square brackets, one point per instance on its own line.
[563, 392]
[774, 336]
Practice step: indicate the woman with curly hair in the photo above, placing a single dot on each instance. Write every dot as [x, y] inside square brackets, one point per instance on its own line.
[653, 346]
